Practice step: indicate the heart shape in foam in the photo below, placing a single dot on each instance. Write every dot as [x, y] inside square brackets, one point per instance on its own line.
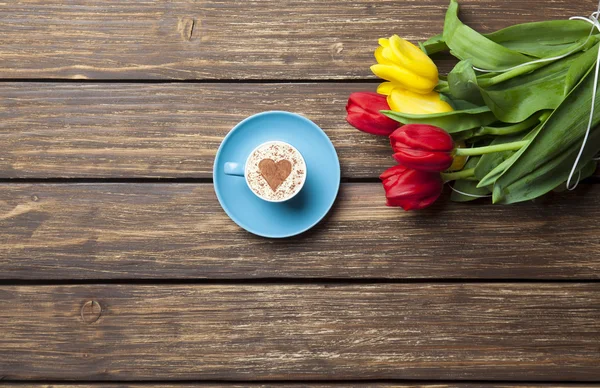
[275, 173]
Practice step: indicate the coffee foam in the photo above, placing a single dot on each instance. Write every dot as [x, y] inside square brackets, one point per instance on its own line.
[275, 151]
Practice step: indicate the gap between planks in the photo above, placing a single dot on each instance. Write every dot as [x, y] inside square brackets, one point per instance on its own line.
[298, 384]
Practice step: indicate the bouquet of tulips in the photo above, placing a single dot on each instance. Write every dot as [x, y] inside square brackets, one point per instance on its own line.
[515, 118]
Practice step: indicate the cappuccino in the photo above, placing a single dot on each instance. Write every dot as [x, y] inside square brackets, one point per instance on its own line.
[275, 171]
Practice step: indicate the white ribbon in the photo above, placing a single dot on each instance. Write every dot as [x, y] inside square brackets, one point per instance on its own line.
[469, 195]
[593, 20]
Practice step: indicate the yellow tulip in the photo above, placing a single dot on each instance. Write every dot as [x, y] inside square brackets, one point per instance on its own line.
[385, 88]
[405, 101]
[459, 160]
[405, 65]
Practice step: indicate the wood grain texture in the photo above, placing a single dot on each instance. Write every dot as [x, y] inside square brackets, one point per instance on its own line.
[161, 130]
[545, 332]
[177, 231]
[58, 130]
[215, 39]
[345, 384]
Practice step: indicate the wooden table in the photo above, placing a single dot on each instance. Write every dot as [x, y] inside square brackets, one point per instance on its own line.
[119, 267]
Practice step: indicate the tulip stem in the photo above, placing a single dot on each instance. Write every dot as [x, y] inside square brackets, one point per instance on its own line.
[443, 87]
[501, 77]
[490, 149]
[453, 176]
[510, 129]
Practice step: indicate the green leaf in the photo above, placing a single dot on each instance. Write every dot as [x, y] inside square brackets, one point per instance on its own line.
[490, 79]
[537, 39]
[452, 122]
[579, 67]
[488, 162]
[468, 187]
[434, 45]
[498, 129]
[542, 39]
[505, 130]
[545, 178]
[462, 82]
[460, 104]
[497, 171]
[536, 91]
[462, 136]
[548, 159]
[466, 43]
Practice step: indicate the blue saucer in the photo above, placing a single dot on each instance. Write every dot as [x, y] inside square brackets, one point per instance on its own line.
[309, 206]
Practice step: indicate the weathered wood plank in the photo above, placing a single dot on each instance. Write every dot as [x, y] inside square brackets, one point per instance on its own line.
[124, 231]
[215, 39]
[345, 384]
[160, 130]
[58, 130]
[537, 332]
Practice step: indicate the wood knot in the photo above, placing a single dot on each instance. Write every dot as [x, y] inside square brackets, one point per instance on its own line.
[336, 50]
[35, 198]
[185, 26]
[90, 312]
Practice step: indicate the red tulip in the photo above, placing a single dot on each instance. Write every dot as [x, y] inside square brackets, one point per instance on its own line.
[422, 147]
[363, 113]
[411, 189]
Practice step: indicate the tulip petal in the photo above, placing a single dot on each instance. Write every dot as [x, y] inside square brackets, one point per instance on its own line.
[405, 101]
[364, 113]
[392, 171]
[373, 123]
[384, 42]
[411, 189]
[388, 55]
[421, 137]
[385, 88]
[380, 57]
[433, 161]
[404, 78]
[411, 57]
[368, 101]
